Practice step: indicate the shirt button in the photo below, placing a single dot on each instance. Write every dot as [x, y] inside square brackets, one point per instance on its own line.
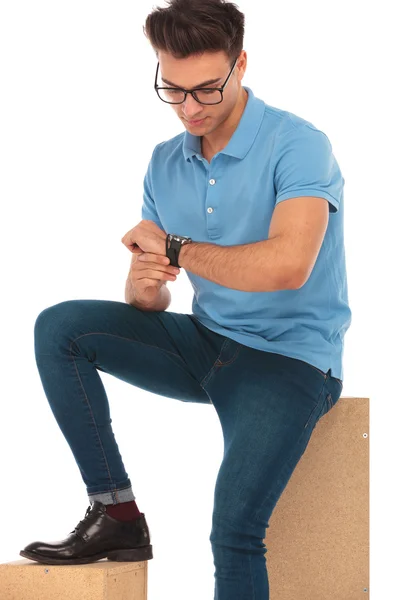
[212, 181]
[210, 210]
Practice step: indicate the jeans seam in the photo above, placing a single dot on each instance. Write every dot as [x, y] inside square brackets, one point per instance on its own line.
[207, 376]
[228, 362]
[255, 516]
[130, 340]
[91, 412]
[316, 406]
[155, 347]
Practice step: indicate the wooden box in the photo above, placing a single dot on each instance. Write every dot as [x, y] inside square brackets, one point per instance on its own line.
[101, 580]
[318, 535]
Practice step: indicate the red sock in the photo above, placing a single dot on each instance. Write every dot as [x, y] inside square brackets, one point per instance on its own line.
[123, 511]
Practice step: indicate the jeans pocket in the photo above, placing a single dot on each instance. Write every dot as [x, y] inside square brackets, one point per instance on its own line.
[229, 353]
[340, 383]
[319, 410]
[333, 398]
[327, 406]
[336, 389]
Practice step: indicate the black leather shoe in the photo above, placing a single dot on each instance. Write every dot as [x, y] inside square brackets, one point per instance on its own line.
[97, 536]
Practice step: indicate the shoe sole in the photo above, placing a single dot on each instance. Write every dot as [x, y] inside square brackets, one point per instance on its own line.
[132, 555]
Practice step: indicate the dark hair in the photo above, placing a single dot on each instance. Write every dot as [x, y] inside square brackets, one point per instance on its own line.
[187, 27]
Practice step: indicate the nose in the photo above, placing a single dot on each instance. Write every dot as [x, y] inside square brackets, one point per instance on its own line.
[191, 108]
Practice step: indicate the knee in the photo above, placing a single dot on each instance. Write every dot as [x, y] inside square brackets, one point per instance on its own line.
[53, 321]
[236, 533]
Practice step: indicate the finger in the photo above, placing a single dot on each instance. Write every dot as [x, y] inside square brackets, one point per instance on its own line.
[161, 275]
[157, 258]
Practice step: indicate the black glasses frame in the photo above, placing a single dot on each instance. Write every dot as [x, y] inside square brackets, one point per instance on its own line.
[193, 91]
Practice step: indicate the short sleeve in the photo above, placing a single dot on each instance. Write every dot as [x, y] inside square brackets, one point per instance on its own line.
[306, 166]
[149, 210]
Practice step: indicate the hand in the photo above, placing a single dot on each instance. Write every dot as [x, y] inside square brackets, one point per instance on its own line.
[145, 237]
[148, 273]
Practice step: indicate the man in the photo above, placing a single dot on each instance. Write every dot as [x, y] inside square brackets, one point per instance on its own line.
[249, 201]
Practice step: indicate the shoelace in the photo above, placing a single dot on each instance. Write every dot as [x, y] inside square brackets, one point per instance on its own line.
[76, 530]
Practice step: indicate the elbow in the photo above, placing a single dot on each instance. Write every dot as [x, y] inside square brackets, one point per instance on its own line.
[293, 279]
[299, 278]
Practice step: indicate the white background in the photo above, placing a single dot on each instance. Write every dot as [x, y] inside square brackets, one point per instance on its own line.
[79, 120]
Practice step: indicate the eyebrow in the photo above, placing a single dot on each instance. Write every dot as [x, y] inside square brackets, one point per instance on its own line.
[208, 82]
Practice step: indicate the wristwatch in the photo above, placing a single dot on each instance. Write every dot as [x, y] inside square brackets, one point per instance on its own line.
[173, 245]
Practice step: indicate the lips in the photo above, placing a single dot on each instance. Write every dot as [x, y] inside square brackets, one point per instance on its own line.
[196, 122]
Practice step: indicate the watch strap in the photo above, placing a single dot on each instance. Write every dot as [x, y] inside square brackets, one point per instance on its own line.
[173, 247]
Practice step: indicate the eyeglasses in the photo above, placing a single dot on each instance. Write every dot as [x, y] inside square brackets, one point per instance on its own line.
[174, 95]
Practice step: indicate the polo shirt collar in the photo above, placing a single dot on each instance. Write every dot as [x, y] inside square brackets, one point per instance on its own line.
[243, 136]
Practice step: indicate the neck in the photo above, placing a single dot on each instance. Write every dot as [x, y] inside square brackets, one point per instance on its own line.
[218, 139]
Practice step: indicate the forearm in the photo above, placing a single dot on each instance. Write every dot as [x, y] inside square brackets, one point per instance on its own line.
[258, 267]
[160, 303]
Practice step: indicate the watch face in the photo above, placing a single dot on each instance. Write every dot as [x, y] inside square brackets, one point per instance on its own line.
[181, 238]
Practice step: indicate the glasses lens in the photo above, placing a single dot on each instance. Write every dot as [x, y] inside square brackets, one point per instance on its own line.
[176, 96]
[171, 95]
[208, 96]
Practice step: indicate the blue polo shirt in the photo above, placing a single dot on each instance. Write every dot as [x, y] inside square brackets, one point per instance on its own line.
[273, 155]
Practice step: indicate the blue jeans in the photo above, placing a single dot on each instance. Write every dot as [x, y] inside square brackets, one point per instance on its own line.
[268, 405]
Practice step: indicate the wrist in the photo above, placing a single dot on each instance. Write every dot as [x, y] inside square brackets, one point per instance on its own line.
[174, 245]
[184, 254]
